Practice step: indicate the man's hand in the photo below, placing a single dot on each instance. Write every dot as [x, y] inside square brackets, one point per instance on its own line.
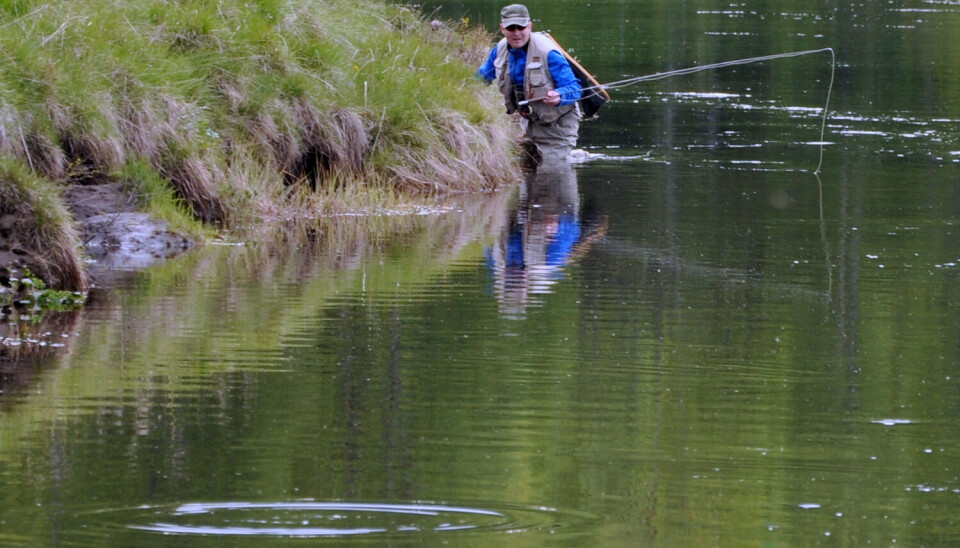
[552, 98]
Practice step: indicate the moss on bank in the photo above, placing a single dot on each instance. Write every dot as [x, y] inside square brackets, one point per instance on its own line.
[241, 110]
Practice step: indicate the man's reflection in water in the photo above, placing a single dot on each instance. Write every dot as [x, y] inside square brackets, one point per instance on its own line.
[541, 235]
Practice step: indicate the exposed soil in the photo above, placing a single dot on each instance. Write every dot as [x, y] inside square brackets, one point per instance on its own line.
[117, 239]
[13, 255]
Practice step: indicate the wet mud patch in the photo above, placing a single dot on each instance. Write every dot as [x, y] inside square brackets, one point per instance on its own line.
[118, 239]
[87, 201]
[130, 241]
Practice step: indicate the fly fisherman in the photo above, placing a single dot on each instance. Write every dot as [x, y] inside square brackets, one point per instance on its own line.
[536, 80]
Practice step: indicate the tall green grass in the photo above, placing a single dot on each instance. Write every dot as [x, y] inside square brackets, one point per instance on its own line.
[247, 108]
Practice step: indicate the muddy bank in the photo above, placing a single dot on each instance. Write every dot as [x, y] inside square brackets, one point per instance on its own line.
[117, 239]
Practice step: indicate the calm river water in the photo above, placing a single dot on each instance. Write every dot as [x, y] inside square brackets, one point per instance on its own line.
[689, 339]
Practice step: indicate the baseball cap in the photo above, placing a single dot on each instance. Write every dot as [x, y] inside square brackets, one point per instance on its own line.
[515, 14]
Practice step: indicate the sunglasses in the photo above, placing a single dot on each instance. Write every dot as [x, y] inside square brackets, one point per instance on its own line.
[515, 28]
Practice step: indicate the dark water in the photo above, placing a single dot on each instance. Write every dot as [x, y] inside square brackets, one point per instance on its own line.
[688, 340]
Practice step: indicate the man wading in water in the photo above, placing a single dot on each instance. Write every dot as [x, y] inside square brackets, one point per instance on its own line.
[536, 80]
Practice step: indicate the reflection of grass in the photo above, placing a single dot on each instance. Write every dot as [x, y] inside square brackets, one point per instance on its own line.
[26, 339]
[244, 110]
[235, 308]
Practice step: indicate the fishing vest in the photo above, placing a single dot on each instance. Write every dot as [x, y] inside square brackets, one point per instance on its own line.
[536, 79]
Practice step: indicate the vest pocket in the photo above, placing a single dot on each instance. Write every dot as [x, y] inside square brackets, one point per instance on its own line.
[536, 75]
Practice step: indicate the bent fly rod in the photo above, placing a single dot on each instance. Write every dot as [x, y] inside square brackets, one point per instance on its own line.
[690, 70]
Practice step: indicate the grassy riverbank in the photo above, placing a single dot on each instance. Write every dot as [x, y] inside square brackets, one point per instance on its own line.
[232, 113]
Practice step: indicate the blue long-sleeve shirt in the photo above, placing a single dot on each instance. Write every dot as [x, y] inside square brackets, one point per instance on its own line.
[564, 81]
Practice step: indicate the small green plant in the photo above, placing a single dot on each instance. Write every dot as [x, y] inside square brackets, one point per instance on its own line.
[30, 293]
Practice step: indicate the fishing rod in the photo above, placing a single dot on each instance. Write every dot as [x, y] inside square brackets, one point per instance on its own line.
[690, 70]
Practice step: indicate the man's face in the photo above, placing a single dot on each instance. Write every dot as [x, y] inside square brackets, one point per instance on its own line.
[516, 35]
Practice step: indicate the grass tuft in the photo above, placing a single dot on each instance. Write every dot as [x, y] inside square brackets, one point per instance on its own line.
[196, 180]
[34, 217]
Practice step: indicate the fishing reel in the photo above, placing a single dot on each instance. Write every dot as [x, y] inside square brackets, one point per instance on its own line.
[525, 108]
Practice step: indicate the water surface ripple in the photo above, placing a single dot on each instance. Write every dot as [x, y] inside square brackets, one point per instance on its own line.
[306, 519]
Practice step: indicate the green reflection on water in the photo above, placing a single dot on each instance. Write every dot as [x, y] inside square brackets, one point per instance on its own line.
[732, 352]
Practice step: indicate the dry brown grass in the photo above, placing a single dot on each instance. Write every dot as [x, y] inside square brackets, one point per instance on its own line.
[20, 137]
[37, 227]
[331, 144]
[142, 128]
[89, 137]
[464, 158]
[196, 180]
